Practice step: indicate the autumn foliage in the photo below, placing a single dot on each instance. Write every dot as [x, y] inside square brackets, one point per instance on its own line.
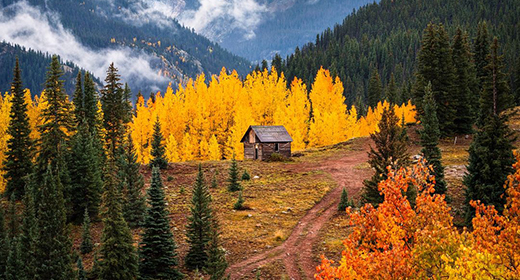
[401, 241]
[205, 120]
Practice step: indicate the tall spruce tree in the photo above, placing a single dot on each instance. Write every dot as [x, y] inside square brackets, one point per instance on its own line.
[18, 162]
[81, 274]
[114, 110]
[117, 255]
[430, 140]
[464, 89]
[199, 225]
[90, 106]
[375, 88]
[157, 256]
[391, 150]
[132, 185]
[53, 248]
[57, 121]
[391, 91]
[496, 95]
[85, 174]
[78, 100]
[481, 49]
[435, 65]
[158, 149]
[490, 154]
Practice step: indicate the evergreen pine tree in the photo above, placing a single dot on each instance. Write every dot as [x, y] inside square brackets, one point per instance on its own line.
[78, 100]
[82, 275]
[375, 89]
[490, 154]
[391, 91]
[4, 244]
[199, 225]
[490, 162]
[114, 110]
[18, 162]
[90, 107]
[28, 232]
[53, 248]
[464, 91]
[239, 205]
[117, 255]
[85, 174]
[430, 140]
[134, 202]
[481, 50]
[86, 239]
[216, 264]
[158, 150]
[214, 182]
[344, 202]
[390, 151]
[158, 259]
[57, 122]
[246, 176]
[495, 96]
[435, 65]
[234, 184]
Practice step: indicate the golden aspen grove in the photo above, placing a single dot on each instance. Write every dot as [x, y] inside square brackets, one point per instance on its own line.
[205, 120]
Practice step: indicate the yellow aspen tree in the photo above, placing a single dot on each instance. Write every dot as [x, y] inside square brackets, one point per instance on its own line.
[203, 149]
[352, 124]
[214, 149]
[5, 109]
[328, 123]
[294, 115]
[242, 119]
[141, 127]
[33, 112]
[171, 114]
[188, 151]
[172, 149]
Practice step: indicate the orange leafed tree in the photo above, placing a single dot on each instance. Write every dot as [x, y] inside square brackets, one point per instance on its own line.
[397, 240]
[5, 109]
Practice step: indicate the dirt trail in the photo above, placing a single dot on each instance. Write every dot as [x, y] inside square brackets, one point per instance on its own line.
[296, 251]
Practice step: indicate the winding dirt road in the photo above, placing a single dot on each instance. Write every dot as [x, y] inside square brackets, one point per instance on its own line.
[296, 252]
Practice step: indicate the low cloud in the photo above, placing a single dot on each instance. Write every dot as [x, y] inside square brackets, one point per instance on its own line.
[27, 26]
[241, 15]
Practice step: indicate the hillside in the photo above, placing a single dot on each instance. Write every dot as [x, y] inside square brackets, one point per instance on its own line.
[258, 29]
[387, 36]
[150, 53]
[33, 64]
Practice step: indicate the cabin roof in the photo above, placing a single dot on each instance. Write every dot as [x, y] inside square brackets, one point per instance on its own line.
[269, 133]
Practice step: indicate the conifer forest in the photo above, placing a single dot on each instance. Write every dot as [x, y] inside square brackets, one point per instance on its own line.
[134, 144]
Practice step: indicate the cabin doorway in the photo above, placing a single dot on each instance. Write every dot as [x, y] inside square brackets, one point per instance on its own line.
[256, 151]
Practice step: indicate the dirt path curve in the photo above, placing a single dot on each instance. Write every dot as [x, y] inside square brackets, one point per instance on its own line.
[296, 251]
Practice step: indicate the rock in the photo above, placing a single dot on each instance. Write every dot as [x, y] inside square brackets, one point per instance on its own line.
[289, 209]
[258, 225]
[256, 177]
[284, 212]
[249, 215]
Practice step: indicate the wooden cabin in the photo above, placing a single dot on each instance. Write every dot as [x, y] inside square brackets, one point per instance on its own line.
[262, 141]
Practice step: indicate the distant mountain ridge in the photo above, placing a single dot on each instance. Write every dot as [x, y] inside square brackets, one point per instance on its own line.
[150, 55]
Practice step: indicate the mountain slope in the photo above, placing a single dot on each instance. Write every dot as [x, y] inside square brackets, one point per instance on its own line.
[94, 33]
[259, 29]
[387, 36]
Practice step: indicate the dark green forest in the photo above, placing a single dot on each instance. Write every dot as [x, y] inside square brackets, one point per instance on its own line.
[35, 65]
[387, 37]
